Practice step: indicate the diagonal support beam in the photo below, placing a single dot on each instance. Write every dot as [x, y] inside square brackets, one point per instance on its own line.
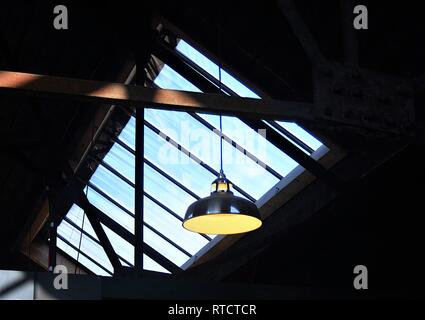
[121, 94]
[130, 238]
[100, 233]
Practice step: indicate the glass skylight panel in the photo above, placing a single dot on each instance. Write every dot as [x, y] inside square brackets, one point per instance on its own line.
[77, 215]
[121, 247]
[121, 160]
[114, 187]
[92, 266]
[212, 68]
[169, 79]
[245, 173]
[177, 164]
[67, 248]
[164, 247]
[172, 228]
[205, 144]
[167, 192]
[111, 210]
[128, 134]
[301, 134]
[148, 264]
[254, 142]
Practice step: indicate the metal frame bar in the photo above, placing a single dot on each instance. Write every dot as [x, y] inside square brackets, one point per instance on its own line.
[138, 192]
[291, 137]
[103, 238]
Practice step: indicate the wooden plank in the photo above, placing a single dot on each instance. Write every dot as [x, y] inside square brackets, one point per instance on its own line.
[121, 94]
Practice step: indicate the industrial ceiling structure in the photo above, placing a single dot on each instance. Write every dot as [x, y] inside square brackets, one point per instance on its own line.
[104, 128]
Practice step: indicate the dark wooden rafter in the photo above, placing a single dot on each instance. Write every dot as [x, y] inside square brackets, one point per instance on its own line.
[129, 95]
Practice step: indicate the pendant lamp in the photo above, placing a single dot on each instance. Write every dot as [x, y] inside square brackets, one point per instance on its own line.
[222, 212]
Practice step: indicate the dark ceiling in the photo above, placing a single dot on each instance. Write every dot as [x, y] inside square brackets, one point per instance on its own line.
[379, 222]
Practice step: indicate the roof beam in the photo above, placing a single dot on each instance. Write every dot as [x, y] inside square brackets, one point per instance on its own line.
[121, 94]
[103, 238]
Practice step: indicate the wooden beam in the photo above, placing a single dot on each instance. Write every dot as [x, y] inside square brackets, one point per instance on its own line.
[121, 94]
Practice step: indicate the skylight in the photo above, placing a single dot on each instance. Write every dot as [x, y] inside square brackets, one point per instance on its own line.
[181, 160]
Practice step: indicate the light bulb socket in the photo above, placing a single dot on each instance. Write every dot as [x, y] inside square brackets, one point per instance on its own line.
[221, 184]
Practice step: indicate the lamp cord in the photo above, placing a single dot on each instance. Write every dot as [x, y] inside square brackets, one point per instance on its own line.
[81, 237]
[221, 145]
[220, 91]
[221, 123]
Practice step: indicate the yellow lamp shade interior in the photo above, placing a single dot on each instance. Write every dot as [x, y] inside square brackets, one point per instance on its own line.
[222, 223]
[221, 187]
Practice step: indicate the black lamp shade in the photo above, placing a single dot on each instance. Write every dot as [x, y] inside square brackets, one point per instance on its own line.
[222, 213]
